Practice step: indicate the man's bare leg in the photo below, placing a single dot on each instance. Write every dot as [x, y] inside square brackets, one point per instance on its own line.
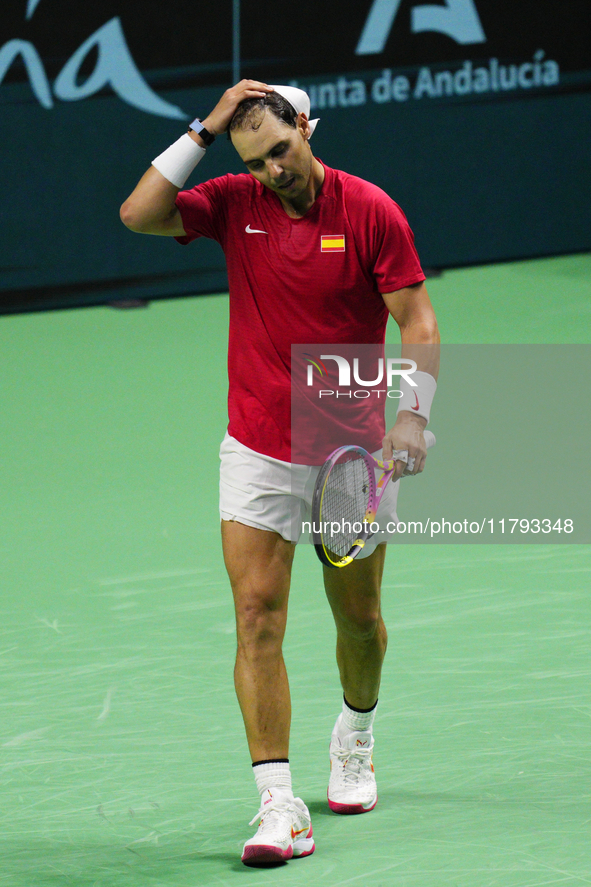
[354, 594]
[259, 566]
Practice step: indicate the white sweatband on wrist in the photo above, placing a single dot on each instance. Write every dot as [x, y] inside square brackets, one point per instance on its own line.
[417, 399]
[178, 162]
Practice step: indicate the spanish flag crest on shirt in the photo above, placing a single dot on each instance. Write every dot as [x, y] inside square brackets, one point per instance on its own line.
[332, 243]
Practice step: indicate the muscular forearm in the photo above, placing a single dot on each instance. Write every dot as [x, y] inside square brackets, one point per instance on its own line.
[412, 310]
[420, 342]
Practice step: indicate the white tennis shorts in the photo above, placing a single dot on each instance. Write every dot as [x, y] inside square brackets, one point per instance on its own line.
[269, 494]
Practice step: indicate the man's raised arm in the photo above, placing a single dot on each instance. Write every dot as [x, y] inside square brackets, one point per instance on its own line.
[151, 207]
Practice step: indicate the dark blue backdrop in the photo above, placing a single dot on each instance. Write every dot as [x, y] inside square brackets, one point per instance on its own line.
[474, 115]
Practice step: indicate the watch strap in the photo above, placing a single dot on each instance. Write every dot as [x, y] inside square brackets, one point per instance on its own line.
[198, 127]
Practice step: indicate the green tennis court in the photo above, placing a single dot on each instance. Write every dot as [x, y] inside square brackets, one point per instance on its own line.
[123, 754]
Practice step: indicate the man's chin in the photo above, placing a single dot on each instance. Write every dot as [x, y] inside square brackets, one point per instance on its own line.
[291, 186]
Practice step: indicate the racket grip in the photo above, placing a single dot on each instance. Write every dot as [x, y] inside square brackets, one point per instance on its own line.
[403, 454]
[430, 439]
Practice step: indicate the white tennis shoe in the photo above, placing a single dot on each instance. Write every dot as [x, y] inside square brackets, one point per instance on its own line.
[285, 830]
[352, 785]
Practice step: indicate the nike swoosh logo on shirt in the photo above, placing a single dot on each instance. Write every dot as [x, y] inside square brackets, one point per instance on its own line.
[250, 230]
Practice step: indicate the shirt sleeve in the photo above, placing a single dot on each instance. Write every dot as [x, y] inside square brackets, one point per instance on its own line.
[203, 211]
[392, 257]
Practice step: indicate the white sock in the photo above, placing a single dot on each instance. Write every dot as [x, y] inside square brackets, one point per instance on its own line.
[272, 774]
[358, 721]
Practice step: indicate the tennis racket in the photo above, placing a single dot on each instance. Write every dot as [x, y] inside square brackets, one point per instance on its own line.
[346, 499]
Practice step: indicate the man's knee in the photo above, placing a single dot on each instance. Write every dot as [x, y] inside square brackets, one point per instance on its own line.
[355, 603]
[261, 616]
[259, 568]
[362, 623]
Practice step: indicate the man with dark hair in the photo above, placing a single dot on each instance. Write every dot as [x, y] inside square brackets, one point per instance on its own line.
[251, 112]
[286, 288]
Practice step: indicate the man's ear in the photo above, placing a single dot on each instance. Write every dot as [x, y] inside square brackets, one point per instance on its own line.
[303, 125]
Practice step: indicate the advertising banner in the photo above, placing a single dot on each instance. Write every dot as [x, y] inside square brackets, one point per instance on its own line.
[473, 115]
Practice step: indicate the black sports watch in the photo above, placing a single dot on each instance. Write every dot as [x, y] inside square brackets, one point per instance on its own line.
[198, 127]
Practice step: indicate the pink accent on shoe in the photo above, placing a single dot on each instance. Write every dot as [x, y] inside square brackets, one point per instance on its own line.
[346, 809]
[260, 854]
[267, 854]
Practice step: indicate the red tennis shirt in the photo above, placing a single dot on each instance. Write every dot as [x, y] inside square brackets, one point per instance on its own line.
[317, 279]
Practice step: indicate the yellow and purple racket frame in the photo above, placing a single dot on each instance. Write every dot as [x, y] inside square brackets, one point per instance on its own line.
[363, 493]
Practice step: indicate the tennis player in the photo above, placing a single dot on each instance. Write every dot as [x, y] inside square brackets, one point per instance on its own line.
[285, 288]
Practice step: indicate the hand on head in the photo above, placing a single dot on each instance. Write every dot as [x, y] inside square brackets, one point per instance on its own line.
[219, 119]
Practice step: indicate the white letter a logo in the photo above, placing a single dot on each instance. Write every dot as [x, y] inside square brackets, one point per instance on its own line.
[458, 19]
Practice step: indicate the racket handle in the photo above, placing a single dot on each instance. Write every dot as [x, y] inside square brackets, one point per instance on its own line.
[403, 454]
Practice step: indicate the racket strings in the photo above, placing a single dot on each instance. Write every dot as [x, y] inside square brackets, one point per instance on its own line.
[344, 504]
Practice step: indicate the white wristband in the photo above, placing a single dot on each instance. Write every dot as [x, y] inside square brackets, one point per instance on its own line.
[178, 162]
[417, 399]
